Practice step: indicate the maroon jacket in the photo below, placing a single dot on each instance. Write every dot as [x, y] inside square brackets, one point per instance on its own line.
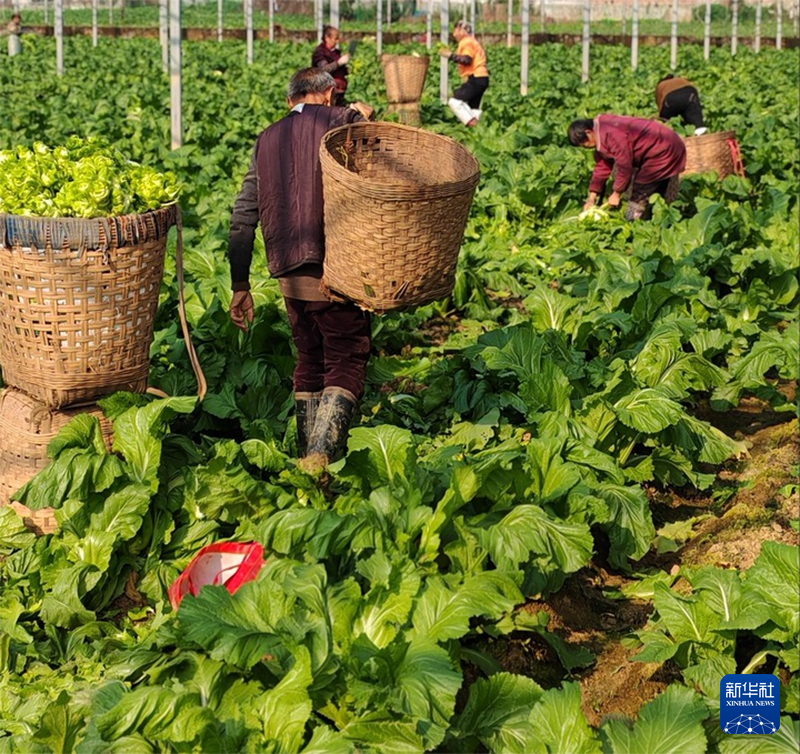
[283, 191]
[648, 147]
[323, 57]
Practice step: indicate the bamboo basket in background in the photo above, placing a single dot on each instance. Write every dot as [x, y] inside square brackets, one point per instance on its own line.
[708, 153]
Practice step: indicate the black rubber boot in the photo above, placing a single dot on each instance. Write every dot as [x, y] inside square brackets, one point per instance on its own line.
[306, 407]
[328, 440]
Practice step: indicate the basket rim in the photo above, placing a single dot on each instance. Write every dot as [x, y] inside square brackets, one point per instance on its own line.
[370, 188]
[87, 227]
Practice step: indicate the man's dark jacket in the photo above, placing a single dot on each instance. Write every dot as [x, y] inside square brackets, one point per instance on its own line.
[283, 190]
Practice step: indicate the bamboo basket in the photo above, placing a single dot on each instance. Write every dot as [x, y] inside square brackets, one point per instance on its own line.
[26, 428]
[77, 303]
[405, 77]
[711, 153]
[396, 204]
[407, 113]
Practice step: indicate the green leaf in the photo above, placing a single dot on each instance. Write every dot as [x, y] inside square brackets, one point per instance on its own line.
[528, 529]
[286, 709]
[719, 588]
[551, 477]
[773, 580]
[381, 735]
[444, 610]
[558, 722]
[686, 618]
[138, 434]
[387, 453]
[498, 713]
[630, 528]
[670, 724]
[428, 682]
[648, 410]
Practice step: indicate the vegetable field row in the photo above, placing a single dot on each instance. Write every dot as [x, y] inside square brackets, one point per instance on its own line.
[510, 437]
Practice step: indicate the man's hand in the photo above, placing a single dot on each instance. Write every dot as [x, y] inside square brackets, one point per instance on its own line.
[364, 109]
[242, 309]
[344, 59]
[591, 201]
[445, 52]
[614, 200]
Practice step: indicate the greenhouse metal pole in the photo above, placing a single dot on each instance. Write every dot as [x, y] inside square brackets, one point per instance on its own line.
[635, 36]
[734, 26]
[429, 26]
[175, 87]
[59, 32]
[779, 27]
[248, 20]
[94, 22]
[219, 20]
[319, 10]
[45, 11]
[525, 8]
[388, 14]
[271, 20]
[510, 30]
[444, 38]
[379, 21]
[543, 13]
[472, 13]
[673, 37]
[334, 15]
[163, 29]
[110, 12]
[759, 13]
[707, 33]
[587, 21]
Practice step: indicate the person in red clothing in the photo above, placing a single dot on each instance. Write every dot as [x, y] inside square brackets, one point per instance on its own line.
[645, 153]
[283, 192]
[328, 57]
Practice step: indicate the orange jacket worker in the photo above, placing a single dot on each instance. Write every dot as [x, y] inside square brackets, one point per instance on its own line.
[471, 59]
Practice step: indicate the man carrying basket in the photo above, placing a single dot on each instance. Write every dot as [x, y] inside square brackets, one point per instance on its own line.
[283, 191]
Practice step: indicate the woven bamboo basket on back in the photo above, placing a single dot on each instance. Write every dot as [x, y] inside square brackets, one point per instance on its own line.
[77, 303]
[405, 77]
[396, 204]
[710, 153]
[26, 428]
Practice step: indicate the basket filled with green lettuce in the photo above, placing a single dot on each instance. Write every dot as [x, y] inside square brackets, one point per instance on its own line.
[83, 235]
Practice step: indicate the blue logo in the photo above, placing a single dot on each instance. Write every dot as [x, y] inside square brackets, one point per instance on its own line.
[749, 704]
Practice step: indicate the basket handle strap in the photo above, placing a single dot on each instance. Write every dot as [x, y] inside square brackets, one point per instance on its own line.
[202, 385]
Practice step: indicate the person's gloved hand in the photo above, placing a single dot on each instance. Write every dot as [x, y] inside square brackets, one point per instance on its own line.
[242, 309]
[445, 52]
[345, 59]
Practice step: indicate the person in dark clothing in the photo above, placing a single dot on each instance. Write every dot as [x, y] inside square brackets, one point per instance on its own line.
[679, 97]
[283, 191]
[644, 152]
[471, 60]
[328, 57]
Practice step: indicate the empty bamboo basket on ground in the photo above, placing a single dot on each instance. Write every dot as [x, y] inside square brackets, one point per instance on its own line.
[396, 204]
[405, 81]
[77, 303]
[26, 428]
[711, 152]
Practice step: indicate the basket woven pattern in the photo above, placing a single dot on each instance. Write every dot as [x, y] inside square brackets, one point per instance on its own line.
[407, 113]
[39, 522]
[396, 204]
[710, 152]
[77, 303]
[26, 429]
[405, 77]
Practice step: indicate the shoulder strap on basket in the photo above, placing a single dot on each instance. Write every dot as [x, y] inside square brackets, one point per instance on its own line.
[202, 385]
